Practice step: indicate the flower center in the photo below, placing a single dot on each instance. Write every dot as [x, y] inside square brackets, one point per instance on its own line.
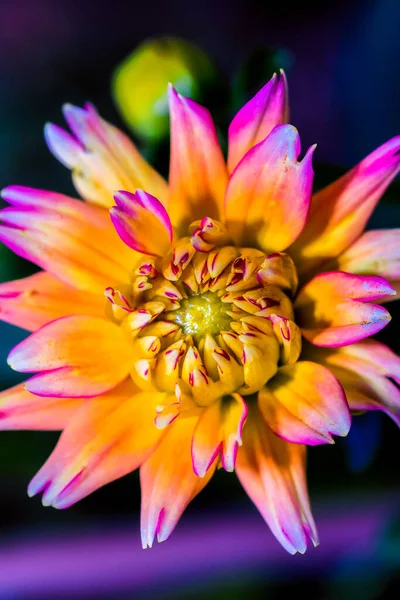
[201, 315]
[209, 319]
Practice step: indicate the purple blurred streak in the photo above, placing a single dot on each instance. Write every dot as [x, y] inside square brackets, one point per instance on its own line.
[227, 545]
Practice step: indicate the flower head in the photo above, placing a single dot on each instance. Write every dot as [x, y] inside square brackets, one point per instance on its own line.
[170, 331]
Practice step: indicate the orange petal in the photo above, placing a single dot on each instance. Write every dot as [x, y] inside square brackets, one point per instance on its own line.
[268, 108]
[19, 409]
[273, 474]
[107, 438]
[339, 212]
[374, 253]
[75, 242]
[370, 375]
[102, 159]
[33, 301]
[333, 310]
[269, 192]
[305, 404]
[168, 481]
[219, 431]
[198, 173]
[75, 356]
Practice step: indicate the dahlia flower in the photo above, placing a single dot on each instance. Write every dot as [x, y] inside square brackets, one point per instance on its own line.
[217, 321]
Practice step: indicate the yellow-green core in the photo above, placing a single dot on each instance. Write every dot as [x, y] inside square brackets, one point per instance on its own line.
[203, 314]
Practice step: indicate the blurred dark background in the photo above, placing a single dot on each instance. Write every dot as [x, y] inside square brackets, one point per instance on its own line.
[342, 60]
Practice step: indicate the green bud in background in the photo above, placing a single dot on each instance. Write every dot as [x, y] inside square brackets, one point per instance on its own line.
[140, 83]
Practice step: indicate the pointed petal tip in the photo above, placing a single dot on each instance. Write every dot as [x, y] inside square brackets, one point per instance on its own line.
[342, 420]
[201, 467]
[12, 360]
[181, 103]
[329, 439]
[114, 212]
[4, 192]
[173, 95]
[199, 470]
[37, 485]
[147, 541]
[65, 147]
[377, 287]
[90, 107]
[31, 492]
[315, 540]
[390, 291]
[120, 195]
[196, 469]
[307, 161]
[162, 536]
[346, 425]
[162, 421]
[302, 546]
[229, 465]
[155, 533]
[394, 145]
[146, 546]
[48, 128]
[310, 152]
[12, 192]
[60, 504]
[292, 546]
[300, 541]
[67, 106]
[53, 136]
[68, 109]
[47, 502]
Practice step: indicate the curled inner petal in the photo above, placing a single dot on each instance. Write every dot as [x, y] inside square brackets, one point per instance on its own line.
[138, 214]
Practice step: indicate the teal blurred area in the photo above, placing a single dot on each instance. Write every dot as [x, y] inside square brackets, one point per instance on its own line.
[344, 76]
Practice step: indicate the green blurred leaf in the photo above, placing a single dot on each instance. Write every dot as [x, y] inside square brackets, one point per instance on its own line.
[140, 83]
